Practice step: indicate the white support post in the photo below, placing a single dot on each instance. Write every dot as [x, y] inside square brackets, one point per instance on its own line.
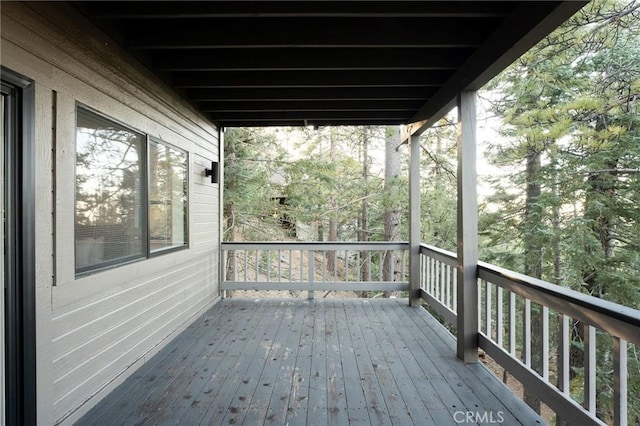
[414, 223]
[467, 214]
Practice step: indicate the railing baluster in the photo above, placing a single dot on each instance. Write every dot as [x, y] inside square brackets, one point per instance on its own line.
[279, 265]
[433, 278]
[454, 287]
[324, 269]
[268, 266]
[479, 289]
[432, 285]
[235, 267]
[499, 318]
[620, 373]
[346, 265]
[438, 281]
[422, 283]
[545, 343]
[246, 261]
[563, 365]
[512, 324]
[427, 282]
[590, 368]
[302, 264]
[447, 289]
[527, 332]
[487, 314]
[312, 273]
[290, 265]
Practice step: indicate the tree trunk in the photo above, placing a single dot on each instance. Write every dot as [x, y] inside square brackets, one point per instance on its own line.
[557, 258]
[600, 192]
[533, 260]
[364, 214]
[391, 265]
[229, 214]
[333, 220]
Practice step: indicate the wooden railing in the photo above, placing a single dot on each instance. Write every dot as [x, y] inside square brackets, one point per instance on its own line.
[529, 326]
[309, 266]
[534, 329]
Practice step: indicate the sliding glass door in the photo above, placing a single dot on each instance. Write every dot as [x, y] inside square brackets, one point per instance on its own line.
[2, 262]
[17, 252]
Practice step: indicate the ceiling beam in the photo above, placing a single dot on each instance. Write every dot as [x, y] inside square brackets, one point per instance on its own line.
[310, 79]
[300, 9]
[396, 116]
[309, 105]
[316, 123]
[242, 94]
[311, 32]
[308, 58]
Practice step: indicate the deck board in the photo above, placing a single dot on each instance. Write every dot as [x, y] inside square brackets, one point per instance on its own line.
[297, 362]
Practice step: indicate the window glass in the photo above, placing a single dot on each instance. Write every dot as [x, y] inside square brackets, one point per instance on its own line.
[110, 214]
[167, 197]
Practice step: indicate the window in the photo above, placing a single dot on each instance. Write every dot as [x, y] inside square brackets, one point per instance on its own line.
[123, 211]
[167, 197]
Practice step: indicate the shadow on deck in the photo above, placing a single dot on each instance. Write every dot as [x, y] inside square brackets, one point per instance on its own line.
[293, 361]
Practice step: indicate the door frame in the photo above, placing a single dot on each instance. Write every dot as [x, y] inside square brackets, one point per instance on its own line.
[20, 260]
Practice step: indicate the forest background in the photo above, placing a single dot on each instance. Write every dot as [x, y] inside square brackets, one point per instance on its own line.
[559, 181]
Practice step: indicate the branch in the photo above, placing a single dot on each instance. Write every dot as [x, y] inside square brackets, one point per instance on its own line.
[613, 171]
[347, 204]
[440, 163]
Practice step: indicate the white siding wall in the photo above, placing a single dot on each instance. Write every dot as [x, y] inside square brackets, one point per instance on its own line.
[94, 331]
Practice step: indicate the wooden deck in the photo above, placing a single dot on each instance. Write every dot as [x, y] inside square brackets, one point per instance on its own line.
[295, 362]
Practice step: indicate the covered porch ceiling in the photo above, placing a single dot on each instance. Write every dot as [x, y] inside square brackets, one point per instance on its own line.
[281, 63]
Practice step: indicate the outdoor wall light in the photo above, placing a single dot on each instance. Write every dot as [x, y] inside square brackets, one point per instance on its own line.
[213, 172]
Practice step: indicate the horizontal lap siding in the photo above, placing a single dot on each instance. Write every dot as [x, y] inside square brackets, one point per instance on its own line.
[96, 330]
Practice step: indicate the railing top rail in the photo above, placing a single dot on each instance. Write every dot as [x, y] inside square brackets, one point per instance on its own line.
[317, 245]
[445, 256]
[613, 310]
